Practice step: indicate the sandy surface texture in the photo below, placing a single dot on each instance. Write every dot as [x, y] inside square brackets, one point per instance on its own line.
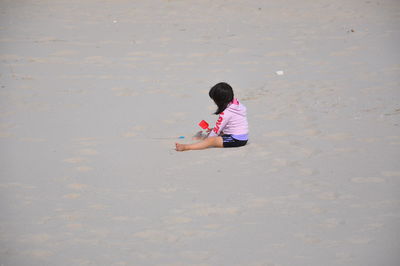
[94, 93]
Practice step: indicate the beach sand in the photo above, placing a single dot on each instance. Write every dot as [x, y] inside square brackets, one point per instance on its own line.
[95, 93]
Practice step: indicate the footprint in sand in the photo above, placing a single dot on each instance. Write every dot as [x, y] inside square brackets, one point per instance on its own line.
[308, 171]
[77, 186]
[88, 151]
[331, 223]
[308, 239]
[258, 202]
[74, 226]
[121, 219]
[33, 140]
[367, 180]
[36, 238]
[65, 53]
[74, 160]
[395, 140]
[195, 255]
[84, 168]
[124, 91]
[374, 226]
[72, 196]
[177, 220]
[203, 210]
[344, 150]
[277, 134]
[134, 131]
[4, 130]
[39, 253]
[119, 263]
[98, 207]
[338, 136]
[281, 53]
[278, 245]
[391, 173]
[281, 162]
[168, 190]
[129, 134]
[309, 133]
[86, 142]
[156, 236]
[346, 52]
[175, 118]
[213, 226]
[97, 60]
[237, 51]
[360, 240]
[368, 140]
[344, 256]
[328, 196]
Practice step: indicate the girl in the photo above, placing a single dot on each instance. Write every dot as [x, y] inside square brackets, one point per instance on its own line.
[231, 128]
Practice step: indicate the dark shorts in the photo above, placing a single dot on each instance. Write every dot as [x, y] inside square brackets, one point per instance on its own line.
[230, 142]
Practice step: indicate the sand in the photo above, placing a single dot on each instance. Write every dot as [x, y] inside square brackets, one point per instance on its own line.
[95, 93]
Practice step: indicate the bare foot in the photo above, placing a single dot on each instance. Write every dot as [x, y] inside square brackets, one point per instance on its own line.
[180, 147]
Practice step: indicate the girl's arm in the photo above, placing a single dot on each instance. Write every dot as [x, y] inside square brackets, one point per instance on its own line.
[220, 124]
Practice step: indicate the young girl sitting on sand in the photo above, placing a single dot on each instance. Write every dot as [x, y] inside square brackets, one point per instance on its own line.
[231, 128]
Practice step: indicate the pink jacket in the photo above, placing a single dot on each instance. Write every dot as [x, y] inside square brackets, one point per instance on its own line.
[232, 121]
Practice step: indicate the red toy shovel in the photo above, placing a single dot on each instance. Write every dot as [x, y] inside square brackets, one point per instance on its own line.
[204, 125]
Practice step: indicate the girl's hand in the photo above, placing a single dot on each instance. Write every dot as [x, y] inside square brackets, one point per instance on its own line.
[198, 136]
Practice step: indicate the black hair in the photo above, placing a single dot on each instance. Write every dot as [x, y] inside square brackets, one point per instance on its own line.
[222, 94]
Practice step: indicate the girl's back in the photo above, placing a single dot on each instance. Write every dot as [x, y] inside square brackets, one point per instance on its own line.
[233, 120]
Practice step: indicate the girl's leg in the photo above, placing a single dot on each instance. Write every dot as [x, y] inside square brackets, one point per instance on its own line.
[208, 142]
